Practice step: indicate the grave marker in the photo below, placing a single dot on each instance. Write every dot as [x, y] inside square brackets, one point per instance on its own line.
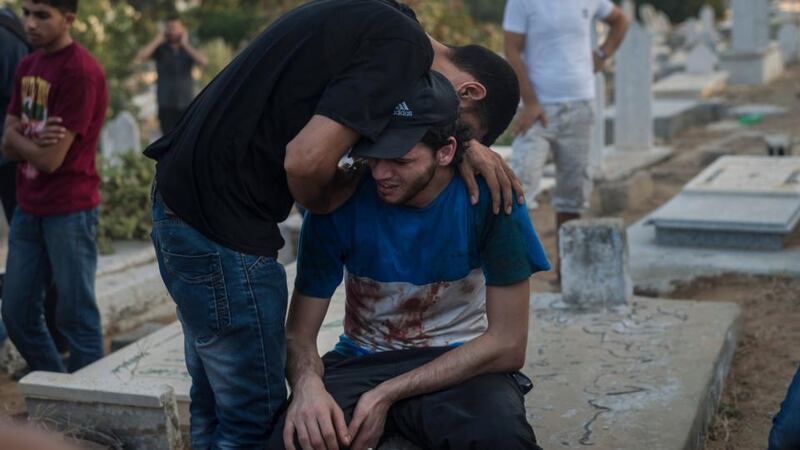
[752, 59]
[789, 42]
[120, 135]
[739, 202]
[633, 91]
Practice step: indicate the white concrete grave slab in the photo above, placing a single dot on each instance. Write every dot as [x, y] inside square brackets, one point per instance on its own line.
[691, 86]
[128, 289]
[601, 378]
[740, 202]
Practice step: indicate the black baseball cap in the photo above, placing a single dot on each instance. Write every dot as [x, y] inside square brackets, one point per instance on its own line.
[432, 103]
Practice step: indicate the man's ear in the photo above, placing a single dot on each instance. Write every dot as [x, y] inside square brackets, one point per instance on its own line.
[446, 153]
[69, 18]
[471, 90]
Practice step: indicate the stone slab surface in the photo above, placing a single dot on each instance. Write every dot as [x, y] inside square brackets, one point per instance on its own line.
[601, 379]
[753, 68]
[672, 116]
[618, 164]
[656, 268]
[685, 85]
[753, 194]
[606, 379]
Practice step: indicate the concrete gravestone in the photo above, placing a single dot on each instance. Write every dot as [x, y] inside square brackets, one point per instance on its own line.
[120, 135]
[709, 25]
[752, 59]
[743, 202]
[702, 60]
[789, 41]
[633, 82]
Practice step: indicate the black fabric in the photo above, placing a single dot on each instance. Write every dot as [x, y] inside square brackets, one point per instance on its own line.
[484, 412]
[13, 47]
[221, 168]
[168, 118]
[174, 69]
[8, 188]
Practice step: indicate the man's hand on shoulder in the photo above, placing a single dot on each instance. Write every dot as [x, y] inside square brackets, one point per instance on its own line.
[369, 419]
[503, 183]
[315, 418]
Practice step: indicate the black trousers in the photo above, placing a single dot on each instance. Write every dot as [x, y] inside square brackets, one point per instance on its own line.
[485, 412]
[169, 117]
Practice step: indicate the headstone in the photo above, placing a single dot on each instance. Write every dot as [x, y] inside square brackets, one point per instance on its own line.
[752, 58]
[709, 25]
[689, 32]
[629, 9]
[633, 91]
[701, 60]
[594, 263]
[599, 130]
[789, 42]
[120, 135]
[739, 202]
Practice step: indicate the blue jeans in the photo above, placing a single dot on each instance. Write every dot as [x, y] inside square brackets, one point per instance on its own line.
[232, 307]
[65, 247]
[785, 433]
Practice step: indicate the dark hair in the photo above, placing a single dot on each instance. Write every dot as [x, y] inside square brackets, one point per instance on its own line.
[64, 6]
[438, 136]
[171, 17]
[496, 110]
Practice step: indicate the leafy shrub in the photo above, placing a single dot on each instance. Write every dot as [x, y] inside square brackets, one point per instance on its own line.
[125, 191]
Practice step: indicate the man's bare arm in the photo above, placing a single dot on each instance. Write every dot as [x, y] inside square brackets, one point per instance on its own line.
[532, 111]
[46, 154]
[147, 51]
[618, 26]
[313, 416]
[311, 165]
[500, 349]
[198, 58]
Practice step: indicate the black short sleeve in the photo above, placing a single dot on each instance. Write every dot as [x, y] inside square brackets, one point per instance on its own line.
[363, 95]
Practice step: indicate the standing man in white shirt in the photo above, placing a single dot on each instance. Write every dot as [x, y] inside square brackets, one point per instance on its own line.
[549, 45]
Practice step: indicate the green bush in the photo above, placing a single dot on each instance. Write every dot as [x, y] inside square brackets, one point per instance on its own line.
[680, 10]
[125, 191]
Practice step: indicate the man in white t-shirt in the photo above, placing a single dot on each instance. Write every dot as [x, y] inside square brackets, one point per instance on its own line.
[549, 45]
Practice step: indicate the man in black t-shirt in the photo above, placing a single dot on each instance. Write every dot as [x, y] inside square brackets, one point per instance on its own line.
[269, 130]
[174, 56]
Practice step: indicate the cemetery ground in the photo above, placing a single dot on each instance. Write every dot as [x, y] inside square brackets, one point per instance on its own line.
[767, 354]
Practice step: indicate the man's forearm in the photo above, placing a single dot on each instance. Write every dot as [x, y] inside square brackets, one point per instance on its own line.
[196, 56]
[302, 362]
[19, 148]
[485, 354]
[526, 90]
[322, 196]
[616, 34]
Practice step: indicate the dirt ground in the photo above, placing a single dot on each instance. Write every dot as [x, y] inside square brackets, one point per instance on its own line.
[768, 353]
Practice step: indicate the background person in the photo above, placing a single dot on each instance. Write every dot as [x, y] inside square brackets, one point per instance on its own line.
[175, 57]
[549, 46]
[52, 127]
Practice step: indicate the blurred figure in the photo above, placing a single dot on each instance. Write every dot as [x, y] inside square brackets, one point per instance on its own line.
[13, 47]
[785, 433]
[550, 48]
[52, 128]
[174, 57]
[15, 436]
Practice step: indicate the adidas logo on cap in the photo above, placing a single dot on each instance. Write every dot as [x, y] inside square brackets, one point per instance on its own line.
[403, 110]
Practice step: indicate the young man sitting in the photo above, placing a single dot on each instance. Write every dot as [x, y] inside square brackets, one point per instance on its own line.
[436, 319]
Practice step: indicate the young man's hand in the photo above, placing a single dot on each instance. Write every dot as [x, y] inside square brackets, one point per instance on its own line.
[503, 183]
[315, 418]
[52, 132]
[369, 419]
[527, 117]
